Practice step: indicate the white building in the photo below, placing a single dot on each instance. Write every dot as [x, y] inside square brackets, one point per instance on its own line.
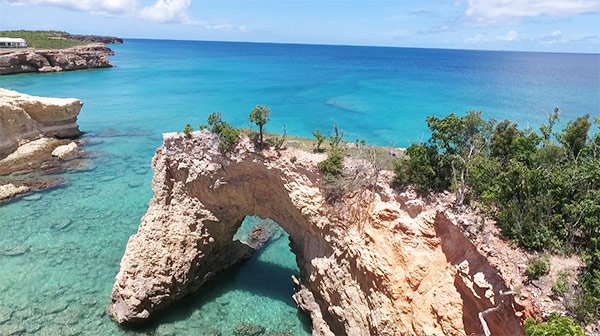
[11, 42]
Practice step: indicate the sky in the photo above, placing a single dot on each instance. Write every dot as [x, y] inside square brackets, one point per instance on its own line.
[526, 25]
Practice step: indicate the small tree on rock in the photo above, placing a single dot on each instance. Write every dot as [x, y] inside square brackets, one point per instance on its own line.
[260, 116]
[319, 140]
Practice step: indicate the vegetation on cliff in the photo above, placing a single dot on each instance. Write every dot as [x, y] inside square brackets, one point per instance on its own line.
[542, 187]
[47, 39]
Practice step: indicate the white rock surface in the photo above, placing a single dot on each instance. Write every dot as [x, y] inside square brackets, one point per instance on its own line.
[8, 191]
[67, 152]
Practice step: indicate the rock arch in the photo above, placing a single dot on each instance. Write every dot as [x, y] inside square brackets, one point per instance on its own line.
[376, 264]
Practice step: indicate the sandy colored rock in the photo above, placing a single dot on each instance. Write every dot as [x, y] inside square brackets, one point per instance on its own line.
[370, 264]
[67, 152]
[41, 60]
[24, 118]
[9, 191]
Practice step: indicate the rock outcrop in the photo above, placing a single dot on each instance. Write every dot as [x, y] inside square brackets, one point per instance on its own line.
[376, 262]
[32, 130]
[51, 60]
[24, 118]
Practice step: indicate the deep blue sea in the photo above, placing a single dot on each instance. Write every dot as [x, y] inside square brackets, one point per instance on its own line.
[76, 235]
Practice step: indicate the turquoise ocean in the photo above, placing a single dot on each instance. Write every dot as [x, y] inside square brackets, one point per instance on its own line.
[74, 236]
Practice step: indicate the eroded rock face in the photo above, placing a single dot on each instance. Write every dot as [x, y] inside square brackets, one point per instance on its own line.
[24, 117]
[372, 264]
[75, 58]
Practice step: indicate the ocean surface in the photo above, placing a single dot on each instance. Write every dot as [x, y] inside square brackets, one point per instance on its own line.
[74, 236]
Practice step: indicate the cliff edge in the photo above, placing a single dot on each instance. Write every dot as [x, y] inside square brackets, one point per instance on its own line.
[376, 262]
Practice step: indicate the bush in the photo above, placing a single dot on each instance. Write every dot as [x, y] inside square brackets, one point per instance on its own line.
[537, 266]
[333, 165]
[228, 136]
[293, 159]
[423, 167]
[560, 286]
[319, 138]
[555, 326]
[187, 130]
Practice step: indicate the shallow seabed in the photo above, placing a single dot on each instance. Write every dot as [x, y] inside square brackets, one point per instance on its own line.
[60, 249]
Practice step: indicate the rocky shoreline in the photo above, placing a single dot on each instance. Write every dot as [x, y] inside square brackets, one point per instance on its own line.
[53, 60]
[36, 141]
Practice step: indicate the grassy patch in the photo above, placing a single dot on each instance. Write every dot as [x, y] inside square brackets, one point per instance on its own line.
[43, 39]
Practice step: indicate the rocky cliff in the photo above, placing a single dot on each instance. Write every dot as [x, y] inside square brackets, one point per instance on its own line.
[377, 262]
[82, 57]
[35, 143]
[24, 118]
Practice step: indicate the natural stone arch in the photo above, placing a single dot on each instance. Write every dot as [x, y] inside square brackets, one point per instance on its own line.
[374, 264]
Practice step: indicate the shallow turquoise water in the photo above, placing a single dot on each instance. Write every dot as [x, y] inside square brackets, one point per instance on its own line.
[76, 235]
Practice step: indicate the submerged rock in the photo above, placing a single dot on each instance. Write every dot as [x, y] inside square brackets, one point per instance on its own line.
[248, 329]
[16, 250]
[370, 264]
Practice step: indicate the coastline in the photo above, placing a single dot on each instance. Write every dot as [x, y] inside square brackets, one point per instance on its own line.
[53, 60]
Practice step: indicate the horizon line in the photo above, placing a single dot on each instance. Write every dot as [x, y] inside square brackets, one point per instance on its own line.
[361, 45]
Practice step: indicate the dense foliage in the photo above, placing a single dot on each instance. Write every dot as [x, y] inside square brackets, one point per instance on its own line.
[542, 187]
[537, 267]
[555, 326]
[228, 135]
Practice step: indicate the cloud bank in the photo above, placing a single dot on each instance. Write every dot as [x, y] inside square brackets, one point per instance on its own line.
[495, 11]
[162, 11]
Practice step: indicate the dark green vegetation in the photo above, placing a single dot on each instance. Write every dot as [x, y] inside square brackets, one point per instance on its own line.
[543, 188]
[537, 267]
[187, 130]
[332, 166]
[260, 116]
[555, 326]
[228, 135]
[43, 39]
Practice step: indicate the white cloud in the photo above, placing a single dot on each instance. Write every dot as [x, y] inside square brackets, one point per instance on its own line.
[483, 38]
[167, 11]
[494, 11]
[163, 11]
[100, 7]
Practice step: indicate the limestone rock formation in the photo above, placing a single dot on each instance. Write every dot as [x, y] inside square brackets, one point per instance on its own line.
[32, 130]
[377, 262]
[9, 191]
[24, 118]
[66, 152]
[81, 57]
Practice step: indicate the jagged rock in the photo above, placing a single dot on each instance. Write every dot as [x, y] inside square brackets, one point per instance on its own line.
[67, 152]
[40, 60]
[367, 267]
[258, 237]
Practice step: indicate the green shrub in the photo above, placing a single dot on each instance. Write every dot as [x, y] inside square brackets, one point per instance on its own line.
[319, 138]
[560, 286]
[333, 165]
[555, 326]
[187, 130]
[537, 266]
[293, 159]
[278, 141]
[423, 167]
[228, 135]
